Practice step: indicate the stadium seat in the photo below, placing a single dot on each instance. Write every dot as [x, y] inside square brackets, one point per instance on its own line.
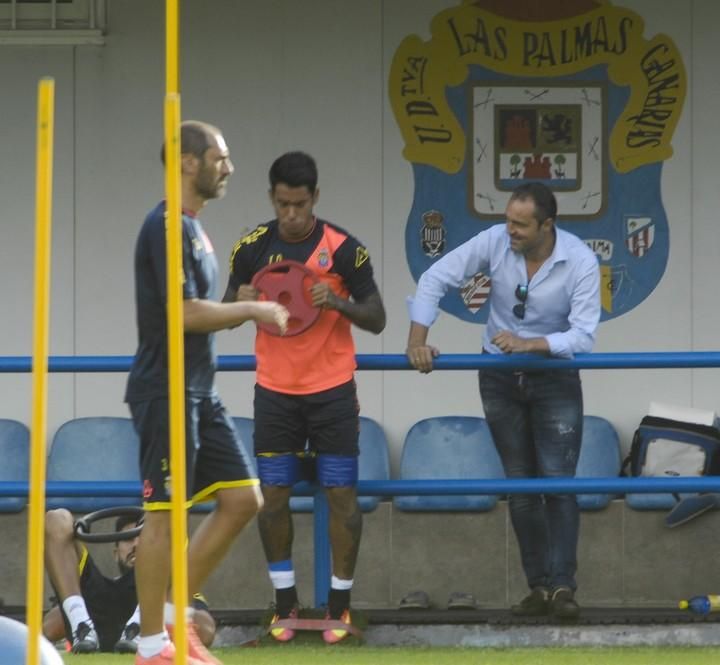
[97, 449]
[373, 464]
[449, 447]
[14, 452]
[652, 501]
[374, 460]
[599, 458]
[245, 428]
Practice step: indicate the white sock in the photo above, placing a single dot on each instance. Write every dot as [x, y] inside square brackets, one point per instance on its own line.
[76, 612]
[152, 645]
[282, 579]
[339, 584]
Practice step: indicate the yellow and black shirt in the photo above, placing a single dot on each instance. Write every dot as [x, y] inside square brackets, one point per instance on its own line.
[323, 356]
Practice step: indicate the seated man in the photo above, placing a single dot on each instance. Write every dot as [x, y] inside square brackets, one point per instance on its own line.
[95, 612]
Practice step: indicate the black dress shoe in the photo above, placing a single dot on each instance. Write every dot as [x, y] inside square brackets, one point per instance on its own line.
[563, 604]
[535, 604]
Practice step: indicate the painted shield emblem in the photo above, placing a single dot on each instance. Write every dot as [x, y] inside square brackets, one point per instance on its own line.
[640, 235]
[475, 292]
[432, 233]
[581, 101]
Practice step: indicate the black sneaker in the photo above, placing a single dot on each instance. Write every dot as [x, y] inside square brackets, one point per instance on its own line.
[129, 639]
[85, 639]
[536, 604]
[563, 604]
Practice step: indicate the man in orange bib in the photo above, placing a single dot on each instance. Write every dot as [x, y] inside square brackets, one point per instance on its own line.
[305, 393]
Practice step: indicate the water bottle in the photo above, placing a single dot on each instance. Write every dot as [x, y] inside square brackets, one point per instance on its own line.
[701, 604]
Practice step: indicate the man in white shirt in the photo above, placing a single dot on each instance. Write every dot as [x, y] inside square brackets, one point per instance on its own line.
[545, 299]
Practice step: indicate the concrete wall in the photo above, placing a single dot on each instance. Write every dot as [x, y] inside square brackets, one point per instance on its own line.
[278, 75]
[626, 558]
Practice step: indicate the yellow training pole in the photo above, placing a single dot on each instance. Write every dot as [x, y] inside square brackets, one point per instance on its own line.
[176, 374]
[176, 362]
[176, 365]
[172, 58]
[43, 239]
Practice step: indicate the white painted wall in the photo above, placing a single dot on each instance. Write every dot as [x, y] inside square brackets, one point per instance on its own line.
[278, 75]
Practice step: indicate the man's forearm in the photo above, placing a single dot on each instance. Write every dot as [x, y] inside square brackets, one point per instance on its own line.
[417, 335]
[207, 316]
[368, 315]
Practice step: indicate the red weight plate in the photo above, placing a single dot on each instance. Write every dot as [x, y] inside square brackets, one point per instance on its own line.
[288, 283]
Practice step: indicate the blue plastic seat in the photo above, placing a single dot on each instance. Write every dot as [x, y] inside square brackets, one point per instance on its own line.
[244, 428]
[652, 501]
[599, 458]
[449, 447]
[373, 462]
[15, 455]
[97, 449]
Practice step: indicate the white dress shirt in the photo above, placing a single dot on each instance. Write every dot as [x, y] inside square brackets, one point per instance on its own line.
[563, 302]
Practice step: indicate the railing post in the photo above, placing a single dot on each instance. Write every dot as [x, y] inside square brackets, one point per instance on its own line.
[321, 524]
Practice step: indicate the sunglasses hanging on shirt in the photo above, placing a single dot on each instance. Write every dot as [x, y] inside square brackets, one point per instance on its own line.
[521, 293]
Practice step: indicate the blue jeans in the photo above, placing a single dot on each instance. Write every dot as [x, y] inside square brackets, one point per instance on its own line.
[536, 421]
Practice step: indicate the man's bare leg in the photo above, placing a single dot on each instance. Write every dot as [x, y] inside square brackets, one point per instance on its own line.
[210, 542]
[152, 570]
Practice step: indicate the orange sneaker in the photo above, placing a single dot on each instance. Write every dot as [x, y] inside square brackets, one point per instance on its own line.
[335, 635]
[196, 649]
[281, 633]
[165, 657]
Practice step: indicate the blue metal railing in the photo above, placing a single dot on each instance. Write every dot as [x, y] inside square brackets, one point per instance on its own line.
[462, 361]
[419, 487]
[679, 359]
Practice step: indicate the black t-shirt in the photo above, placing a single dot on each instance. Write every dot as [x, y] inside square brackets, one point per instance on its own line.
[110, 602]
[149, 374]
[264, 246]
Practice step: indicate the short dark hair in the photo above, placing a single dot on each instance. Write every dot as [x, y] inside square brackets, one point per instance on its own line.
[124, 520]
[541, 195]
[194, 138]
[294, 169]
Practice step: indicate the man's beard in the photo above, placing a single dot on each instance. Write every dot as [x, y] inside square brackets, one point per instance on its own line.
[125, 568]
[208, 188]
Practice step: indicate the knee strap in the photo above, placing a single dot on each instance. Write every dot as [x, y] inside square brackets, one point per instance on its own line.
[281, 469]
[337, 470]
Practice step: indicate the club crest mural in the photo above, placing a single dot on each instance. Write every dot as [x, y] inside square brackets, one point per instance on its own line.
[569, 93]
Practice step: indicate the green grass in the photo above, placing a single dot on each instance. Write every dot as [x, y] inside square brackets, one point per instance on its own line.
[354, 655]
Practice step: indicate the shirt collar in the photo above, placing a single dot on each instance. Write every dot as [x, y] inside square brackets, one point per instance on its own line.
[561, 251]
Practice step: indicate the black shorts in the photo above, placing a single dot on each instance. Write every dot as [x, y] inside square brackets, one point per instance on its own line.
[110, 602]
[329, 421]
[214, 458]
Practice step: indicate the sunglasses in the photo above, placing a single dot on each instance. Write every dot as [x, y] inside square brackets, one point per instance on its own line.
[521, 293]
